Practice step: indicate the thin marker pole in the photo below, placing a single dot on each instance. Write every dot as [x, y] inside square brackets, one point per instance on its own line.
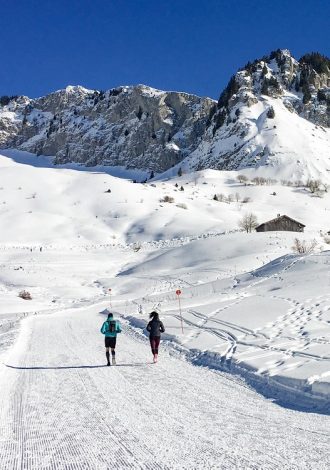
[178, 293]
[110, 298]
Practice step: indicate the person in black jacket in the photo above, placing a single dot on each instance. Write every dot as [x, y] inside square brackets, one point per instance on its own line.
[155, 328]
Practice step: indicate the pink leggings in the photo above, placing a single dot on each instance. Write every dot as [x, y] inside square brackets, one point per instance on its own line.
[154, 343]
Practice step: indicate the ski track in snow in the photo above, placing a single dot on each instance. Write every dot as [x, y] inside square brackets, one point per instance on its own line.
[296, 318]
[62, 409]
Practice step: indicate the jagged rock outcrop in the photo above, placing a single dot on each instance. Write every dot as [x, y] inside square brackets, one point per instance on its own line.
[276, 109]
[304, 86]
[136, 127]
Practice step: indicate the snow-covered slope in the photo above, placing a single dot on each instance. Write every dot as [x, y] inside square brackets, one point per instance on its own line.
[65, 238]
[285, 146]
[270, 325]
[43, 203]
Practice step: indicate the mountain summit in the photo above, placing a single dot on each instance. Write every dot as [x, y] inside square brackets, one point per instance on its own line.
[275, 112]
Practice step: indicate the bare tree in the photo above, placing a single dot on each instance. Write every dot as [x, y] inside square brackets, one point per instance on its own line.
[271, 181]
[242, 179]
[259, 181]
[249, 222]
[302, 247]
[166, 198]
[287, 183]
[313, 185]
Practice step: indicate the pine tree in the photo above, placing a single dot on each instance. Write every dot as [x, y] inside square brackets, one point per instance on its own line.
[307, 95]
[321, 96]
[139, 113]
[319, 62]
[264, 88]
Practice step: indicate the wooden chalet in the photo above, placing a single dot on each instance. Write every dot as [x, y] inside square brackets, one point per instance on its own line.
[281, 223]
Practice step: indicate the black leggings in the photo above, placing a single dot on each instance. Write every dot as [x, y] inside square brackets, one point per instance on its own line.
[154, 343]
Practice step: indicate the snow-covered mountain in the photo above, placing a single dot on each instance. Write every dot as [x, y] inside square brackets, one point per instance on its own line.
[274, 115]
[134, 127]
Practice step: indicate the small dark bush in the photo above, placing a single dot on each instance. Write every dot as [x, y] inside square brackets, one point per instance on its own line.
[24, 294]
[271, 113]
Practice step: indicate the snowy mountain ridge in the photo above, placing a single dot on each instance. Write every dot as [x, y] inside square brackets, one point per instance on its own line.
[132, 126]
[273, 116]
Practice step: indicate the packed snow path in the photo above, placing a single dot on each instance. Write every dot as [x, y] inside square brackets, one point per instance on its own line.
[61, 408]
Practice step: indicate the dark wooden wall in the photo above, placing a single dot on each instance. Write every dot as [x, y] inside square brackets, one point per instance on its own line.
[280, 225]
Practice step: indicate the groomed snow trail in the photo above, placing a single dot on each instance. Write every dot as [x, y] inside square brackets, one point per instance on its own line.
[61, 408]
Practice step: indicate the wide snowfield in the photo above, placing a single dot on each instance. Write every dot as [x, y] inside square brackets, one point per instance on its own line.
[238, 369]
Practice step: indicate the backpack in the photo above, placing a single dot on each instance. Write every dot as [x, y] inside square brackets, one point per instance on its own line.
[112, 326]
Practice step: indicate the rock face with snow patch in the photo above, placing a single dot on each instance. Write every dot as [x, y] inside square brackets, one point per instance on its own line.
[274, 112]
[137, 127]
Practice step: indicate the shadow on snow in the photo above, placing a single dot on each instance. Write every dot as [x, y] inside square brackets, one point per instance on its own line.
[136, 364]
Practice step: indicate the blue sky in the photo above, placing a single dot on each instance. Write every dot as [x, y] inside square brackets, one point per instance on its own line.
[187, 45]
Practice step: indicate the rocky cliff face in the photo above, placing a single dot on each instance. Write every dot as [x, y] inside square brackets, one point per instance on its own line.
[137, 127]
[274, 109]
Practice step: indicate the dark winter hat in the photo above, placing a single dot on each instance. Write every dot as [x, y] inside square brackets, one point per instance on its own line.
[110, 315]
[154, 315]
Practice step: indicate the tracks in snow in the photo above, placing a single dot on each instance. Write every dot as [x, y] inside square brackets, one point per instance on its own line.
[60, 408]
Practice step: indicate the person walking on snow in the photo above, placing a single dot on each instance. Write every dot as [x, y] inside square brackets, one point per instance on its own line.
[110, 329]
[155, 328]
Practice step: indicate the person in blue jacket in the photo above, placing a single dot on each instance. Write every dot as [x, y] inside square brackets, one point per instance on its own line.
[110, 328]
